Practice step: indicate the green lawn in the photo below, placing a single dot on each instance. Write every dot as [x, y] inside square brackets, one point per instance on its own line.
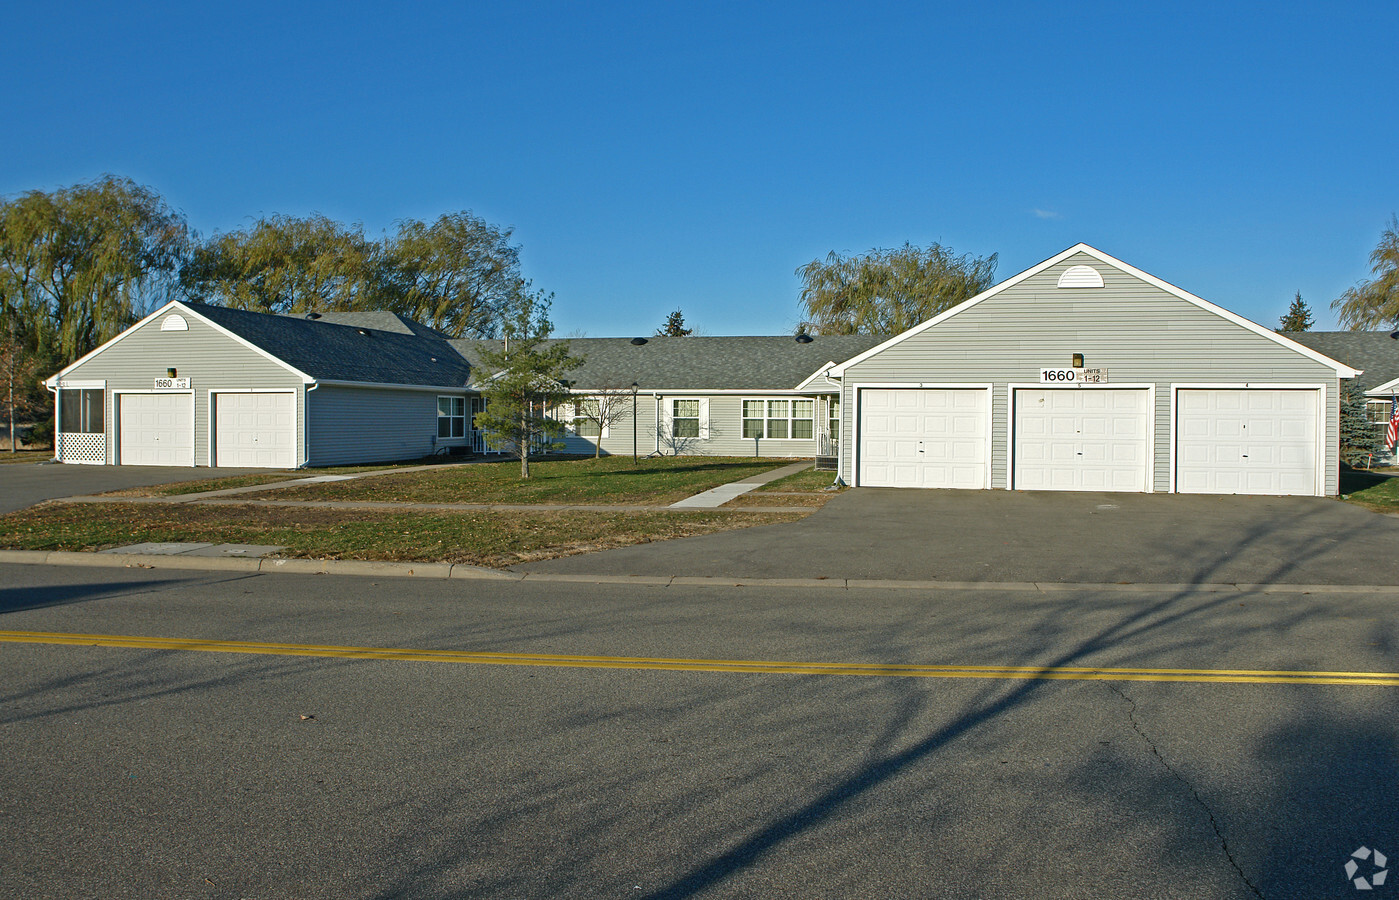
[609, 480]
[1370, 490]
[268, 476]
[478, 538]
[809, 480]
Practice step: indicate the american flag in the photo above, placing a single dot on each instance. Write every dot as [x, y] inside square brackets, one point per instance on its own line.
[1392, 432]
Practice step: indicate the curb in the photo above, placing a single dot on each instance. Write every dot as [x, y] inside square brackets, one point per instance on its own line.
[458, 571]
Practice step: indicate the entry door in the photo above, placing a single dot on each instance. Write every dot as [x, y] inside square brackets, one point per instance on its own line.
[255, 430]
[156, 429]
[924, 438]
[1081, 439]
[1247, 441]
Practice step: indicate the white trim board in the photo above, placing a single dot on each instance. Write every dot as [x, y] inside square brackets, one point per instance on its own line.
[1321, 414]
[1341, 369]
[176, 304]
[857, 403]
[1150, 389]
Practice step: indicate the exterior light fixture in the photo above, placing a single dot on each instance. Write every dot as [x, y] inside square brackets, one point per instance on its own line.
[1078, 360]
[170, 372]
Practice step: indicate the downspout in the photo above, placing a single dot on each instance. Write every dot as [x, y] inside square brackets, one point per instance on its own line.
[306, 390]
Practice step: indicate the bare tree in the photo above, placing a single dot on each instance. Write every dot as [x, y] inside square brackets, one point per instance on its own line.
[602, 409]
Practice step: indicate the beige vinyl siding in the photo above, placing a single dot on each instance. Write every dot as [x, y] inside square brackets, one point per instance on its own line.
[725, 433]
[350, 425]
[208, 357]
[1138, 332]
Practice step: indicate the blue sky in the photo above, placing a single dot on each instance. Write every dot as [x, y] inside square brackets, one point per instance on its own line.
[654, 156]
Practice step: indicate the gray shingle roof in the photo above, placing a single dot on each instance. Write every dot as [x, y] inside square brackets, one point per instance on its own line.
[1373, 351]
[702, 363]
[343, 352]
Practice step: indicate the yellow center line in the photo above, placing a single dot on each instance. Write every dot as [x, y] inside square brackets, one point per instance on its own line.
[770, 667]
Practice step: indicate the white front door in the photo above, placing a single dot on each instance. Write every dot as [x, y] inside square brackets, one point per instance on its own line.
[255, 430]
[156, 429]
[1247, 441]
[924, 437]
[1081, 439]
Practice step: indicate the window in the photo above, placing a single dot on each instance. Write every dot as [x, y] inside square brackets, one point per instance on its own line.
[1378, 411]
[779, 419]
[685, 418]
[585, 416]
[451, 417]
[81, 410]
[833, 409]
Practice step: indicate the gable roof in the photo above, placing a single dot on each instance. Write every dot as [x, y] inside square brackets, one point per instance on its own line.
[1342, 370]
[328, 351]
[696, 363]
[1373, 352]
[377, 319]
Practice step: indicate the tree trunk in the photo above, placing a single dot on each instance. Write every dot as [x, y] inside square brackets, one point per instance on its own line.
[524, 446]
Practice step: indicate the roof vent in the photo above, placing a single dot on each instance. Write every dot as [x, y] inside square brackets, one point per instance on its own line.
[804, 338]
[1080, 277]
[362, 331]
[638, 341]
[1394, 335]
[174, 322]
[313, 315]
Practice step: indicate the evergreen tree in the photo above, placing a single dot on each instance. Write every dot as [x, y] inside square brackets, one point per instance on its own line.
[675, 326]
[526, 386]
[1298, 318]
[1360, 439]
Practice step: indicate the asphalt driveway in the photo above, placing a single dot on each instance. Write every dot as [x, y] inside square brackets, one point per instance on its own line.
[23, 485]
[1037, 536]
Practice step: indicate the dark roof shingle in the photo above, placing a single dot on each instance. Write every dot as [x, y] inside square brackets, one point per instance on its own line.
[1375, 352]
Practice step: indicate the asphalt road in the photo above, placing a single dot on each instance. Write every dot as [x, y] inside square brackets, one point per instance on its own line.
[23, 485]
[149, 773]
[1037, 536]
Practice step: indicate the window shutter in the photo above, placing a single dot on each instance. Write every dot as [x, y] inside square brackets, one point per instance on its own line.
[704, 419]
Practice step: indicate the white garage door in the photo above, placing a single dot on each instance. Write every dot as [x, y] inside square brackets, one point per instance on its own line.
[1081, 439]
[925, 438]
[1247, 441]
[255, 430]
[156, 429]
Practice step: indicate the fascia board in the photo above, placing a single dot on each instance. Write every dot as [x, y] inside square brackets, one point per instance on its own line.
[176, 304]
[819, 373]
[839, 371]
[390, 386]
[1388, 388]
[1342, 370]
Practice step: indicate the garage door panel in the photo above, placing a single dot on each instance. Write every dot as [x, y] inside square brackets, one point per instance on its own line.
[1081, 439]
[155, 429]
[256, 430]
[937, 440]
[1247, 441]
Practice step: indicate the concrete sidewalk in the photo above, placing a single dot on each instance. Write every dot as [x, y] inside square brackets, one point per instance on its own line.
[716, 497]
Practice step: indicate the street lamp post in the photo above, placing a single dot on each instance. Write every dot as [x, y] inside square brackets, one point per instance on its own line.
[634, 386]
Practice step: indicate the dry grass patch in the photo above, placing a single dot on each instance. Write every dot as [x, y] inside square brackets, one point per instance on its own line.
[776, 498]
[479, 538]
[809, 480]
[609, 480]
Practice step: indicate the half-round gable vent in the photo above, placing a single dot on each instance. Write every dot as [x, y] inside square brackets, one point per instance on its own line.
[1080, 277]
[174, 322]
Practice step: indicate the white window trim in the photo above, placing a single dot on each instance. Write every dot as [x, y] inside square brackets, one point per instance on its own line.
[114, 438]
[1321, 416]
[1381, 404]
[465, 418]
[666, 408]
[1150, 389]
[815, 417]
[857, 387]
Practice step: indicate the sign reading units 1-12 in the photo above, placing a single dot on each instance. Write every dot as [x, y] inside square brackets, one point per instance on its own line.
[1073, 376]
[172, 384]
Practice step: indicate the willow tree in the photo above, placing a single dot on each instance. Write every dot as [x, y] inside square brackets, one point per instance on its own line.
[286, 264]
[80, 264]
[888, 291]
[1375, 303]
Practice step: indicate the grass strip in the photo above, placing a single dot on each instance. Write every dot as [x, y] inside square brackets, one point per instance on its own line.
[1378, 492]
[478, 538]
[611, 479]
